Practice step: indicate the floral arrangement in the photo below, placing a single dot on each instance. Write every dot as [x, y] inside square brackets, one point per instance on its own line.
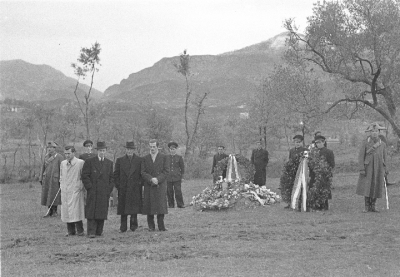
[288, 177]
[224, 194]
[320, 181]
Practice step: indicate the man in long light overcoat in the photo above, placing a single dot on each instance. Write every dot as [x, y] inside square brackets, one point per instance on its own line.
[372, 166]
[98, 179]
[129, 183]
[50, 179]
[154, 172]
[72, 192]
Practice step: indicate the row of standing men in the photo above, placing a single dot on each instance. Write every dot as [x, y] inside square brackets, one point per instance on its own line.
[142, 183]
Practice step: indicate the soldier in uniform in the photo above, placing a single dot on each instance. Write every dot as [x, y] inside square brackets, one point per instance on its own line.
[50, 179]
[373, 168]
[298, 148]
[88, 144]
[259, 158]
[175, 177]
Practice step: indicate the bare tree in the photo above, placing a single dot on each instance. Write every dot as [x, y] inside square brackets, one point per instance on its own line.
[88, 63]
[183, 67]
[357, 41]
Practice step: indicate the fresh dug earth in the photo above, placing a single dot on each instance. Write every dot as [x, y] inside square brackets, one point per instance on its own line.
[242, 241]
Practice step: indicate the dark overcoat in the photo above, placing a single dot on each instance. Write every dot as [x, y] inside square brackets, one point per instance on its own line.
[50, 178]
[373, 162]
[218, 157]
[155, 196]
[128, 181]
[259, 158]
[98, 179]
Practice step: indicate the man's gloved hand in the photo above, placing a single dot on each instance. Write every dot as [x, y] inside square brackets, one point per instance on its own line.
[362, 172]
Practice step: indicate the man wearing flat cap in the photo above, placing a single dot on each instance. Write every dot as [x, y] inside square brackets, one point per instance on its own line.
[129, 183]
[298, 148]
[88, 144]
[174, 179]
[50, 179]
[98, 179]
[373, 167]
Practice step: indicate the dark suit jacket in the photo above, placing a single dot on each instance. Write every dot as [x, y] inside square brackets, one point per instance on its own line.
[329, 156]
[155, 196]
[98, 180]
[86, 156]
[216, 159]
[176, 168]
[259, 157]
[294, 152]
[128, 181]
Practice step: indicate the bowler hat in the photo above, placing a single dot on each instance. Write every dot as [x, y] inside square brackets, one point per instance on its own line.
[130, 145]
[300, 137]
[319, 138]
[52, 144]
[172, 143]
[101, 145]
[87, 142]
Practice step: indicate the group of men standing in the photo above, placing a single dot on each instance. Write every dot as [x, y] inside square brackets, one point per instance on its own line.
[83, 186]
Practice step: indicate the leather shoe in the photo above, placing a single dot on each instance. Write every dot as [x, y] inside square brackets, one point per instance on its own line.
[163, 230]
[181, 207]
[120, 231]
[91, 236]
[80, 234]
[69, 234]
[151, 230]
[47, 215]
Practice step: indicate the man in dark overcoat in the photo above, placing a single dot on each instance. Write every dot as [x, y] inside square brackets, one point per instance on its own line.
[128, 181]
[154, 172]
[218, 157]
[174, 179]
[259, 158]
[50, 179]
[98, 179]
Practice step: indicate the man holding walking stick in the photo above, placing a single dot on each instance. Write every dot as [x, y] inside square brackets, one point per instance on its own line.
[50, 180]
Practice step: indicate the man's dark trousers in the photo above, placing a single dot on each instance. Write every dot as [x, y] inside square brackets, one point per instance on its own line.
[75, 227]
[95, 227]
[175, 188]
[160, 222]
[133, 225]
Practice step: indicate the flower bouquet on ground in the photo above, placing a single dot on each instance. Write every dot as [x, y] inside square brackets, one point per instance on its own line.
[225, 193]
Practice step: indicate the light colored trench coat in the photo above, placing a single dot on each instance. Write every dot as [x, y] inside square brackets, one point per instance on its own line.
[374, 164]
[72, 191]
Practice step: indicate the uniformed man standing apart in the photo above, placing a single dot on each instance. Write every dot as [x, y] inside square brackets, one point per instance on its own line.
[50, 179]
[217, 157]
[88, 144]
[259, 158]
[174, 179]
[373, 168]
[154, 172]
[72, 192]
[98, 179]
[128, 181]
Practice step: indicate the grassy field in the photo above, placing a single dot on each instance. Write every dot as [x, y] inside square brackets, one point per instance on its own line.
[264, 241]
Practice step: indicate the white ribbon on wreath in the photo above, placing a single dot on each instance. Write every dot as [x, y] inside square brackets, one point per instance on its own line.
[232, 163]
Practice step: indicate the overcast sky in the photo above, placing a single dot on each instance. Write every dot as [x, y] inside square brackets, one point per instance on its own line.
[136, 34]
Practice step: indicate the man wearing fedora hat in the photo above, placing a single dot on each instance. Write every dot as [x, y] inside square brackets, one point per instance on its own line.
[373, 167]
[98, 179]
[174, 179]
[50, 179]
[88, 144]
[154, 172]
[128, 181]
